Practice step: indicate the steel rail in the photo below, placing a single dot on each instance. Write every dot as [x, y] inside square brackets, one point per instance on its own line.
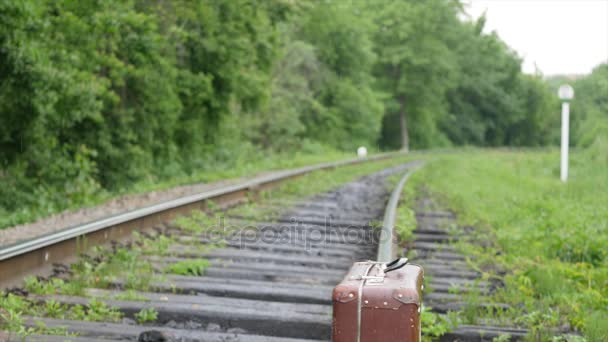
[57, 246]
[386, 249]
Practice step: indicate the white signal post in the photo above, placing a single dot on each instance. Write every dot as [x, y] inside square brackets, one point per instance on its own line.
[566, 94]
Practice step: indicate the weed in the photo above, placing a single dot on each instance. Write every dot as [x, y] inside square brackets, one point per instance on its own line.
[131, 295]
[471, 311]
[109, 266]
[146, 315]
[12, 309]
[254, 211]
[156, 246]
[375, 224]
[194, 267]
[54, 309]
[100, 311]
[596, 326]
[434, 325]
[406, 223]
[502, 338]
[41, 328]
[211, 205]
[188, 224]
[454, 289]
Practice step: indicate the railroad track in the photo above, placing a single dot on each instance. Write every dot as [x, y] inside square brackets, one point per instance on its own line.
[271, 281]
[449, 277]
[268, 278]
[36, 256]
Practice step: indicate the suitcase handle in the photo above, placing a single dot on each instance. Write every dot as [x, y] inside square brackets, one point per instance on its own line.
[395, 264]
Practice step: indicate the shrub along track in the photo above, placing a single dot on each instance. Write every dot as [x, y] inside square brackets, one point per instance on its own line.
[266, 280]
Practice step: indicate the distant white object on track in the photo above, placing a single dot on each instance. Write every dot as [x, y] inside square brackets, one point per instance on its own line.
[362, 152]
[566, 94]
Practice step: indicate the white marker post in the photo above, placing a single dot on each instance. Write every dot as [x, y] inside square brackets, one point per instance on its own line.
[362, 152]
[566, 94]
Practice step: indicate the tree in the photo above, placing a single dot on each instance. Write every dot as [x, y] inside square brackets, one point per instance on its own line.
[96, 95]
[590, 113]
[415, 65]
[351, 110]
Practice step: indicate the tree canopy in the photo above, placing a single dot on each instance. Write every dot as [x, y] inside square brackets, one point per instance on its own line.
[590, 113]
[98, 94]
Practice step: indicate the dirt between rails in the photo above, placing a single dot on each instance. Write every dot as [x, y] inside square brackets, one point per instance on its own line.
[119, 205]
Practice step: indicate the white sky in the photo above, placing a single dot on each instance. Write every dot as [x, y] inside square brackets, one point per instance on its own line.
[559, 36]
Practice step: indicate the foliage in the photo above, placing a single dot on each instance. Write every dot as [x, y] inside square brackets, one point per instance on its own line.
[539, 230]
[434, 325]
[13, 308]
[198, 222]
[595, 326]
[493, 103]
[415, 67]
[102, 98]
[96, 311]
[260, 161]
[451, 83]
[502, 338]
[158, 245]
[351, 111]
[192, 267]
[119, 92]
[146, 315]
[406, 219]
[590, 114]
[131, 295]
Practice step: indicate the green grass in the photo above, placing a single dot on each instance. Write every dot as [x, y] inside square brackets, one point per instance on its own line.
[189, 267]
[550, 238]
[13, 308]
[220, 171]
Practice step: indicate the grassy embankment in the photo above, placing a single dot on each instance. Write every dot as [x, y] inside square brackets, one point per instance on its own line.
[262, 162]
[133, 268]
[549, 240]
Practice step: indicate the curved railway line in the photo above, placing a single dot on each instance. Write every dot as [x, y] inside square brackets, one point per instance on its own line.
[267, 280]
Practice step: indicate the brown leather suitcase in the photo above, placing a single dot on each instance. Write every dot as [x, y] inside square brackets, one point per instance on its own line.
[378, 302]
